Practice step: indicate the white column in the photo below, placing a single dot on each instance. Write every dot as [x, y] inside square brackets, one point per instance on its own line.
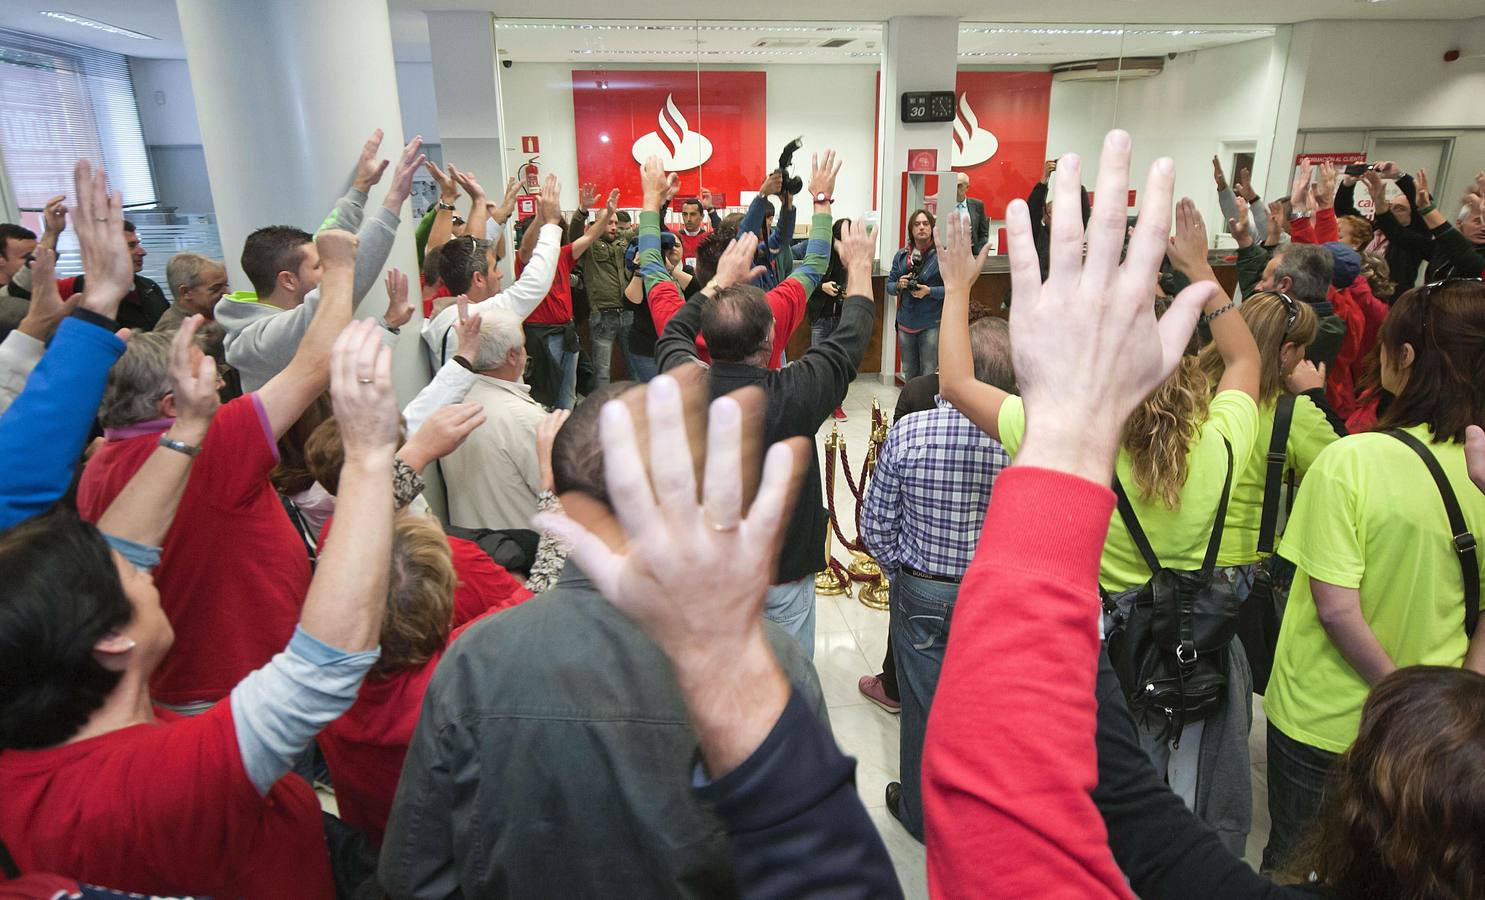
[1288, 66]
[286, 94]
[919, 53]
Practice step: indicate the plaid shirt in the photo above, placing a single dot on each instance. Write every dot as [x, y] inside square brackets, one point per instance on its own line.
[925, 503]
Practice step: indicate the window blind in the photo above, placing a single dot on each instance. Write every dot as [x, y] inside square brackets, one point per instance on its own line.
[63, 103]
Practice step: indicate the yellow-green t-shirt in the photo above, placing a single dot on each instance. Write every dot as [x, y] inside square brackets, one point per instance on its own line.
[1369, 518]
[1310, 431]
[1179, 536]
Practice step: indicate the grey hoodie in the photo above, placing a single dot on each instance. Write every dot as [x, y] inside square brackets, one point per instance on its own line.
[261, 339]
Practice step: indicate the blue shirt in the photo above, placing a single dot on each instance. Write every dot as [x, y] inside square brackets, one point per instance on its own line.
[925, 503]
[917, 313]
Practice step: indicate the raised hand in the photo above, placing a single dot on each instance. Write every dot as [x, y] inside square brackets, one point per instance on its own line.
[823, 169]
[612, 206]
[1048, 168]
[54, 216]
[546, 435]
[658, 185]
[1305, 377]
[337, 249]
[468, 330]
[1243, 185]
[1299, 193]
[1218, 176]
[1095, 310]
[550, 204]
[1239, 226]
[1425, 196]
[99, 224]
[1387, 169]
[692, 575]
[772, 184]
[441, 433]
[706, 199]
[1323, 192]
[957, 263]
[471, 186]
[448, 191]
[402, 177]
[1278, 222]
[502, 212]
[361, 393]
[399, 309]
[1377, 189]
[736, 263]
[193, 380]
[587, 196]
[1188, 246]
[47, 309]
[368, 168]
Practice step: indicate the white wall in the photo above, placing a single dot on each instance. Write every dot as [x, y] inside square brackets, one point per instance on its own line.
[1200, 100]
[419, 105]
[167, 107]
[831, 106]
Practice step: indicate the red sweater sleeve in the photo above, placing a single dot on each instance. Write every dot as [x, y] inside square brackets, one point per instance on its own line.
[1326, 229]
[1009, 760]
[787, 302]
[665, 298]
[66, 287]
[1302, 231]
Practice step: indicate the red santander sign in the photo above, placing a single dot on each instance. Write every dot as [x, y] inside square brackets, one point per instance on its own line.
[1000, 134]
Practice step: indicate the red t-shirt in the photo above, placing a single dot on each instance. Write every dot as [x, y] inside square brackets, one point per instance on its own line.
[164, 808]
[366, 746]
[441, 291]
[689, 242]
[233, 572]
[556, 307]
[787, 302]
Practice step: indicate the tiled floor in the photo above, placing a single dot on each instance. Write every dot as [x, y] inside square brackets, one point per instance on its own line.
[849, 642]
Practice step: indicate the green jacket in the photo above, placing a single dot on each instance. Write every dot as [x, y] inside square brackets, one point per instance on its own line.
[603, 272]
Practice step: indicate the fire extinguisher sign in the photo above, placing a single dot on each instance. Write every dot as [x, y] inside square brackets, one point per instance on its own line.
[530, 143]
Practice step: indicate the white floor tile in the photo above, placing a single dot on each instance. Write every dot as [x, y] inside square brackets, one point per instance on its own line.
[873, 644]
[908, 856]
[839, 662]
[870, 735]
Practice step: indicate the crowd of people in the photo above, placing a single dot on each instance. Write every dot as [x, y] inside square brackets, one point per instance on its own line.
[1137, 496]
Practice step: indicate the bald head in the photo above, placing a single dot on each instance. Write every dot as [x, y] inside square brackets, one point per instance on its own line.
[963, 186]
[738, 325]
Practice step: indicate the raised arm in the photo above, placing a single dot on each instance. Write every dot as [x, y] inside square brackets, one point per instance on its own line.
[959, 267]
[1456, 247]
[479, 210]
[143, 511]
[548, 211]
[809, 271]
[379, 230]
[1188, 253]
[599, 226]
[289, 393]
[752, 220]
[442, 229]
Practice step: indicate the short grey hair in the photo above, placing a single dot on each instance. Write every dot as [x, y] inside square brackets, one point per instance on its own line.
[186, 269]
[1309, 267]
[500, 333]
[990, 346]
[138, 381]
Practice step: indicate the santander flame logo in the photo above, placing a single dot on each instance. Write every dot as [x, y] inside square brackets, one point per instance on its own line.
[678, 147]
[972, 144]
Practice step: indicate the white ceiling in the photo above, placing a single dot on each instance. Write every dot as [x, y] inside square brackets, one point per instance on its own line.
[779, 18]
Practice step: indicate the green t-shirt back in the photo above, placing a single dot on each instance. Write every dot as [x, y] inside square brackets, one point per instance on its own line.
[1369, 517]
[1179, 536]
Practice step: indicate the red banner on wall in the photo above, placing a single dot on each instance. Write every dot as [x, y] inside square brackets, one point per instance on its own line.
[709, 129]
[1000, 134]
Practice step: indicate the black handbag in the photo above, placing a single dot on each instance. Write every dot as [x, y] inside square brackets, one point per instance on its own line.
[1261, 614]
[1464, 541]
[1169, 648]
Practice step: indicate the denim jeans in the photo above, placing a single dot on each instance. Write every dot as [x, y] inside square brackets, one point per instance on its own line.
[792, 607]
[643, 368]
[822, 329]
[919, 628]
[567, 393]
[919, 352]
[1296, 779]
[604, 325]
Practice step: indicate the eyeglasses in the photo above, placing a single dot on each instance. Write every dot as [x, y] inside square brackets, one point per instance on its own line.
[1292, 308]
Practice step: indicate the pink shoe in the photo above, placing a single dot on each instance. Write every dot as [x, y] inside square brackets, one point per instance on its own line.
[871, 688]
[839, 415]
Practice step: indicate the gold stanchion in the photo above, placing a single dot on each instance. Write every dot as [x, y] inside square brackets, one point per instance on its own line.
[837, 579]
[829, 583]
[876, 594]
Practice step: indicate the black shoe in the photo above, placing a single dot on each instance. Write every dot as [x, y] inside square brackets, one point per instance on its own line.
[894, 800]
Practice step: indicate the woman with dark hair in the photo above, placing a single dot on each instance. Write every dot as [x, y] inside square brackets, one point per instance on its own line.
[1379, 584]
[915, 282]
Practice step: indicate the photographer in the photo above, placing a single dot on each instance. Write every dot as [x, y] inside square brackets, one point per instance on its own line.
[915, 282]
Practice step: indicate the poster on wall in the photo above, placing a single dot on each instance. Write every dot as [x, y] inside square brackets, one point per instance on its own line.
[708, 129]
[1000, 134]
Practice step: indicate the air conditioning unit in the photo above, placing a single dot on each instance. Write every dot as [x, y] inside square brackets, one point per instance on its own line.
[1126, 69]
[784, 43]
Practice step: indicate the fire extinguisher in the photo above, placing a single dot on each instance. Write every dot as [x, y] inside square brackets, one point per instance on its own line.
[530, 176]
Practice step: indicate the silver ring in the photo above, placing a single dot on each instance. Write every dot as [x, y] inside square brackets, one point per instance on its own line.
[100, 218]
[722, 529]
[365, 380]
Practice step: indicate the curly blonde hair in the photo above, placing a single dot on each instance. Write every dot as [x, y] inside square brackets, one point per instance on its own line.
[1158, 435]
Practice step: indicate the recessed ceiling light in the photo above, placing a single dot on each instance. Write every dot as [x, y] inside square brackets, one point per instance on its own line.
[85, 22]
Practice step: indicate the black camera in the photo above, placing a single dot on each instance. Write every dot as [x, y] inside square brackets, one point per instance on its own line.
[915, 268]
[793, 184]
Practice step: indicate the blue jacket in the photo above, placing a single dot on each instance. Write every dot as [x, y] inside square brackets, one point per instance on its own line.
[782, 235]
[913, 312]
[44, 430]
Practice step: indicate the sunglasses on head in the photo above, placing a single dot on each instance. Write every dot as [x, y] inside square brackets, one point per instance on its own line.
[1291, 307]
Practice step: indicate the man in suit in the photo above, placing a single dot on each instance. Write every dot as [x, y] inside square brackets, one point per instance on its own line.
[975, 209]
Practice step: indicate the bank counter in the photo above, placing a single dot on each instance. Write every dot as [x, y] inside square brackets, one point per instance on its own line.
[987, 297]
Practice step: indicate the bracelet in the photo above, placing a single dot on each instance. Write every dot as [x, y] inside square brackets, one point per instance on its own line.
[171, 443]
[442, 205]
[1207, 317]
[1427, 209]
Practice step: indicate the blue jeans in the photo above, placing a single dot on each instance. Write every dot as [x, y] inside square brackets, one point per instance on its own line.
[792, 606]
[822, 329]
[1296, 779]
[919, 352]
[919, 626]
[567, 393]
[643, 368]
[604, 326]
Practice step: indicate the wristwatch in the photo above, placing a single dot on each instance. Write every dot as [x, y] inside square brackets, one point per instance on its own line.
[178, 446]
[822, 197]
[447, 206]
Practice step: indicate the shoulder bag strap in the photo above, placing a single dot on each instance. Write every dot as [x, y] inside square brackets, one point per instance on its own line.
[1215, 543]
[1464, 542]
[1136, 533]
[1274, 477]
